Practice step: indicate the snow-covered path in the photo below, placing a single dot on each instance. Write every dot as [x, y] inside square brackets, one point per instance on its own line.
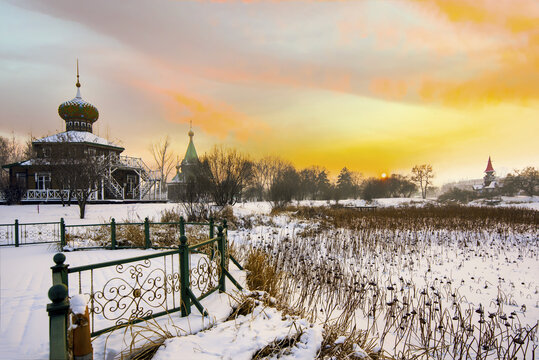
[24, 282]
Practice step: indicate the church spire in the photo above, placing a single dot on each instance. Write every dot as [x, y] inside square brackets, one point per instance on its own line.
[489, 166]
[191, 156]
[78, 114]
[78, 82]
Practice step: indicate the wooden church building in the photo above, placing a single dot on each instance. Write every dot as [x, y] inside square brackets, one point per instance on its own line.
[121, 178]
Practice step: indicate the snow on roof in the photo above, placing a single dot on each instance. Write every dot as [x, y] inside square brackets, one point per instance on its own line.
[77, 137]
[477, 187]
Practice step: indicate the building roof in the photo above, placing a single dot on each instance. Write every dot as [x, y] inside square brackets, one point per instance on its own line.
[77, 137]
[489, 166]
[191, 156]
[177, 178]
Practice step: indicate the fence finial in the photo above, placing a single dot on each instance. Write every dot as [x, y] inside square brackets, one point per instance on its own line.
[59, 259]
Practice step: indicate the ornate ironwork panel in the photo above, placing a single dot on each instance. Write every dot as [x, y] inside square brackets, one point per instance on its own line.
[39, 233]
[132, 291]
[205, 270]
[7, 234]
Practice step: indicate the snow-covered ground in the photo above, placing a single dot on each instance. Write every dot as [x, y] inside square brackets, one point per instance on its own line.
[25, 278]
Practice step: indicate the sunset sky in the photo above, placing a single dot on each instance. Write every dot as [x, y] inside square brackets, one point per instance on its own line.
[377, 86]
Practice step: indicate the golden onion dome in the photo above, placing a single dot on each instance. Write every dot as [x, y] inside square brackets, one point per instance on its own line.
[78, 109]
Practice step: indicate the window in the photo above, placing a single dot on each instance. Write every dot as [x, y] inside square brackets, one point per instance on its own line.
[46, 152]
[131, 183]
[43, 181]
[21, 179]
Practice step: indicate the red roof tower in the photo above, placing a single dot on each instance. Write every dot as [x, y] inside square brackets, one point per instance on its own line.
[489, 168]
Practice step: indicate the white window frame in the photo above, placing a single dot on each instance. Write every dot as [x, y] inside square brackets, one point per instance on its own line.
[43, 180]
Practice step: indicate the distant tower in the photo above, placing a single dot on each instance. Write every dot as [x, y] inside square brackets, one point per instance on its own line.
[489, 174]
[184, 171]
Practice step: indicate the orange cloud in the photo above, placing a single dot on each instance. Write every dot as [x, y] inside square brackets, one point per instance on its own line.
[515, 16]
[214, 118]
[388, 88]
[510, 64]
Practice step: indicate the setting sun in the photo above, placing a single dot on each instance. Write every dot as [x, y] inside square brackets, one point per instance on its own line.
[383, 176]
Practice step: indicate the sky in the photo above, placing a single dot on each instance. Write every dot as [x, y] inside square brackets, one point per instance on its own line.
[376, 86]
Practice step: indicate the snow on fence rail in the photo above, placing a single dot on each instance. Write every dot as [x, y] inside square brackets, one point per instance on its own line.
[128, 291]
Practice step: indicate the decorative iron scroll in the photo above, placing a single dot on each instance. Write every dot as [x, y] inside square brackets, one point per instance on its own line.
[35, 233]
[205, 275]
[141, 292]
[7, 234]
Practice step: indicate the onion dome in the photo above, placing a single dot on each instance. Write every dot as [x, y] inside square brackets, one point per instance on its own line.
[78, 114]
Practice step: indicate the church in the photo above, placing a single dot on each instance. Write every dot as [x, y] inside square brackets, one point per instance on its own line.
[184, 171]
[122, 178]
[489, 180]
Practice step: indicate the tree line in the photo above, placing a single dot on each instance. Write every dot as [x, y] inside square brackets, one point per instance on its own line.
[225, 176]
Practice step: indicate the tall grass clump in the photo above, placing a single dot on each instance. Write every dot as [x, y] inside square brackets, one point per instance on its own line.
[262, 273]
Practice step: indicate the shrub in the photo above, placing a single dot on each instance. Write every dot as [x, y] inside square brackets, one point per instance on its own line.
[457, 195]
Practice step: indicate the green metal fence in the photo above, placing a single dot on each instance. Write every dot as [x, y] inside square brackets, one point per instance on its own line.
[17, 234]
[115, 235]
[112, 235]
[136, 289]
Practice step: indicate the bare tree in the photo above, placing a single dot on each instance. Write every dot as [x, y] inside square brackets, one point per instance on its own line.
[164, 157]
[195, 194]
[527, 180]
[264, 172]
[422, 175]
[74, 168]
[284, 186]
[11, 151]
[86, 179]
[228, 172]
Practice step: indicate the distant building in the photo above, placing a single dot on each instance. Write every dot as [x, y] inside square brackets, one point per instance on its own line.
[488, 183]
[125, 178]
[489, 180]
[184, 170]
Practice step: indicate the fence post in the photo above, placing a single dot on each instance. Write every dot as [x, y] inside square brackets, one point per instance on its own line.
[212, 234]
[147, 243]
[16, 233]
[221, 244]
[225, 235]
[58, 313]
[62, 232]
[182, 226]
[113, 234]
[59, 271]
[184, 276]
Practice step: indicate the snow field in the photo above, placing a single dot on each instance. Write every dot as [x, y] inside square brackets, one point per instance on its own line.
[413, 288]
[492, 267]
